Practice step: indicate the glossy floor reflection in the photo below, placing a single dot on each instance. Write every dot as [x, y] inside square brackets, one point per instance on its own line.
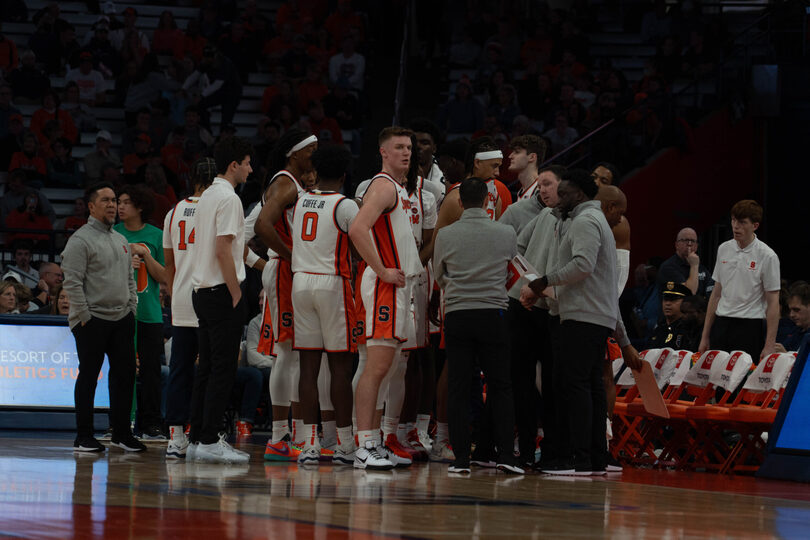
[48, 492]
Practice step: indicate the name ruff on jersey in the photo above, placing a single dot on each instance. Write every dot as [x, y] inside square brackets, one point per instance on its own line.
[323, 303]
[178, 235]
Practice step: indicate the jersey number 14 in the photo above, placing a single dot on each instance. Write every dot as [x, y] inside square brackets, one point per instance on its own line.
[183, 243]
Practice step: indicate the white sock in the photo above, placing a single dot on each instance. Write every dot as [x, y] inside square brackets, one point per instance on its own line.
[367, 436]
[177, 433]
[297, 431]
[402, 432]
[329, 432]
[389, 425]
[280, 430]
[344, 436]
[310, 435]
[423, 422]
[442, 431]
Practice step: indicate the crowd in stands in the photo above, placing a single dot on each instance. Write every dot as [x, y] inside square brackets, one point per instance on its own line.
[533, 70]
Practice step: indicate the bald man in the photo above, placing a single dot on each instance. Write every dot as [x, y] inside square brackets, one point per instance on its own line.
[614, 205]
[50, 277]
[684, 266]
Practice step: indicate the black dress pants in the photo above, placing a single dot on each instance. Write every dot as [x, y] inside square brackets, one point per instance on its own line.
[734, 334]
[479, 337]
[149, 337]
[581, 401]
[220, 332]
[529, 342]
[116, 339]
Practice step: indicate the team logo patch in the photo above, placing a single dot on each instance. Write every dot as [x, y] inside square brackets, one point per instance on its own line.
[753, 265]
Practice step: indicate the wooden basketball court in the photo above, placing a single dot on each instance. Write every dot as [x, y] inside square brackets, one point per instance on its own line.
[48, 492]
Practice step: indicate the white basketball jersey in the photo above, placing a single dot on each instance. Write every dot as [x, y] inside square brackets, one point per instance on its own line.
[320, 246]
[529, 192]
[284, 224]
[393, 235]
[178, 234]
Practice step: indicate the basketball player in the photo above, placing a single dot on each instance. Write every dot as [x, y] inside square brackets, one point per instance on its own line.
[383, 237]
[178, 239]
[527, 153]
[290, 160]
[322, 299]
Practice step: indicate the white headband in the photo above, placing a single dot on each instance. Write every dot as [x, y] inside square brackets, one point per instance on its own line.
[492, 154]
[306, 142]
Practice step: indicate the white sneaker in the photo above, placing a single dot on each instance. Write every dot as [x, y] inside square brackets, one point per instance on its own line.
[344, 455]
[219, 452]
[424, 438]
[370, 457]
[224, 436]
[310, 455]
[442, 453]
[393, 457]
[191, 451]
[177, 448]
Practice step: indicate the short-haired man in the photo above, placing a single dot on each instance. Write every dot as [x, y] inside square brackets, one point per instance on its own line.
[103, 300]
[470, 261]
[675, 331]
[383, 236]
[799, 306]
[427, 138]
[684, 266]
[585, 286]
[22, 263]
[217, 299]
[135, 206]
[743, 311]
[528, 151]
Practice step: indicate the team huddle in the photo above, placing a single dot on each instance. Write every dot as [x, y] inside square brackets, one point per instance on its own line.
[317, 303]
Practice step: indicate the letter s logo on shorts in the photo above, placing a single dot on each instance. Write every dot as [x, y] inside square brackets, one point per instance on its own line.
[384, 313]
[287, 319]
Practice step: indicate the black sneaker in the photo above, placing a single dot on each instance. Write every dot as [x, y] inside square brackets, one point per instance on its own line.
[481, 459]
[459, 468]
[510, 467]
[612, 465]
[154, 433]
[559, 467]
[128, 443]
[87, 443]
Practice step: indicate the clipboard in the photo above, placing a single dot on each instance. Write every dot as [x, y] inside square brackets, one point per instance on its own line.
[650, 394]
[518, 268]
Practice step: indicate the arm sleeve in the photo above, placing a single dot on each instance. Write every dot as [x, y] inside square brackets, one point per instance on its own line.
[345, 212]
[431, 211]
[584, 250]
[74, 266]
[438, 261]
[623, 263]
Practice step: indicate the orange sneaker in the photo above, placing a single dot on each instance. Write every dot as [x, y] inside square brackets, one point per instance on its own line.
[421, 453]
[393, 446]
[244, 429]
[281, 451]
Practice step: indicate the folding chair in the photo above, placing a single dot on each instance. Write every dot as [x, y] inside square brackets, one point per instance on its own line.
[629, 441]
[708, 449]
[754, 411]
[696, 385]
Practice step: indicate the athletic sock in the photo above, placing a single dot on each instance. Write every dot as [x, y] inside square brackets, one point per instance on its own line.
[442, 431]
[176, 433]
[297, 431]
[310, 435]
[366, 436]
[280, 430]
[329, 433]
[389, 425]
[402, 432]
[422, 423]
[344, 436]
